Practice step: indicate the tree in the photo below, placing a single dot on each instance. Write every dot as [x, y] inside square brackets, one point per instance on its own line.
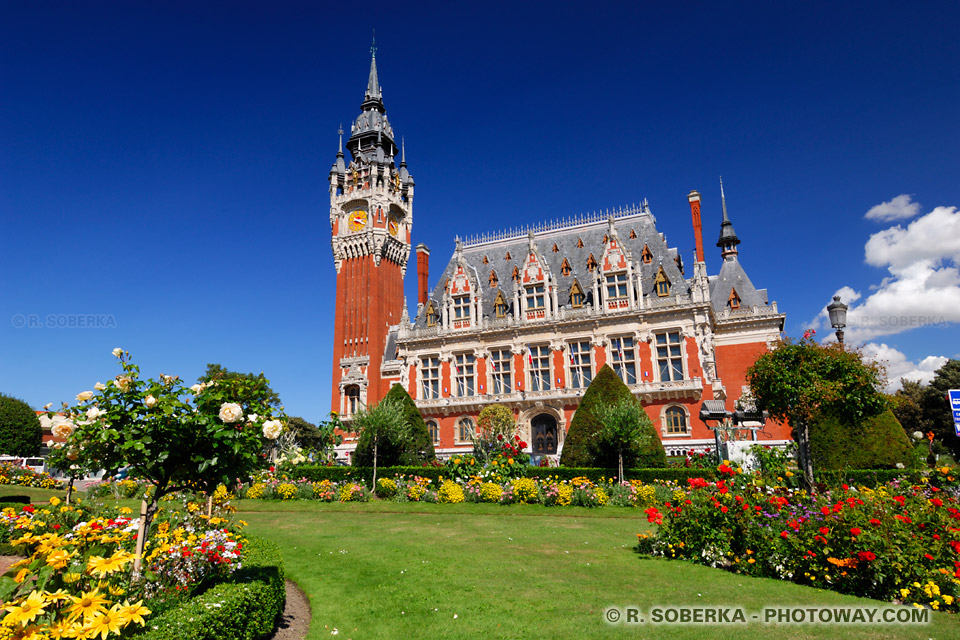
[409, 445]
[20, 431]
[606, 389]
[173, 437]
[936, 408]
[801, 382]
[244, 386]
[625, 429]
[495, 425]
[384, 425]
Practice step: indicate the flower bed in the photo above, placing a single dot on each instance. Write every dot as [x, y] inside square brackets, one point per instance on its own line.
[26, 477]
[898, 542]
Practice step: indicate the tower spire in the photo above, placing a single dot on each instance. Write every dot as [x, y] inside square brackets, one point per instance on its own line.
[728, 237]
[373, 82]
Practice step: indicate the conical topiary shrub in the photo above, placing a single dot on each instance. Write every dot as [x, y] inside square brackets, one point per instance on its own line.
[606, 388]
[20, 431]
[411, 448]
[878, 443]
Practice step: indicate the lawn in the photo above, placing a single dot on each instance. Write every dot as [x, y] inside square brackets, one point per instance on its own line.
[415, 570]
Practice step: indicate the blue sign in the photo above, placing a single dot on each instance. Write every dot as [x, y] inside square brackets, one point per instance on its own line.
[954, 396]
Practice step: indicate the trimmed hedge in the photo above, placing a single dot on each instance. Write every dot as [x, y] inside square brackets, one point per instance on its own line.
[877, 443]
[365, 474]
[866, 477]
[20, 430]
[9, 501]
[244, 608]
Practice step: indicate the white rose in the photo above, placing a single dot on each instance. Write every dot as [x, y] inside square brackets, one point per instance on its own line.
[99, 386]
[94, 412]
[83, 396]
[272, 429]
[45, 422]
[917, 435]
[252, 417]
[48, 405]
[197, 388]
[122, 383]
[230, 412]
[117, 352]
[61, 428]
[150, 401]
[72, 454]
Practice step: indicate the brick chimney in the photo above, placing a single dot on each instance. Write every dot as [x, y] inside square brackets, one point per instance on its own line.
[423, 272]
[694, 198]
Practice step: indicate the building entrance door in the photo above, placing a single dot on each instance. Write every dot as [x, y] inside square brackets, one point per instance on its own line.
[543, 429]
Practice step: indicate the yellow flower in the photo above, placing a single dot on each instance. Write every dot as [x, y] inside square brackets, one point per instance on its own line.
[58, 559]
[904, 593]
[26, 611]
[62, 628]
[72, 577]
[87, 604]
[751, 561]
[54, 501]
[126, 510]
[134, 612]
[21, 575]
[105, 623]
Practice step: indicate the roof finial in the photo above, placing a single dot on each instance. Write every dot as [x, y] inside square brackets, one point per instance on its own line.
[723, 201]
[373, 46]
[373, 83]
[403, 151]
[340, 132]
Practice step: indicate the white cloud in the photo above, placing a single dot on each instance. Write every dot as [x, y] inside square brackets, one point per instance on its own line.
[922, 288]
[899, 208]
[899, 368]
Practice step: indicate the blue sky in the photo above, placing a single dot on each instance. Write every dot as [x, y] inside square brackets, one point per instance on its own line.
[163, 165]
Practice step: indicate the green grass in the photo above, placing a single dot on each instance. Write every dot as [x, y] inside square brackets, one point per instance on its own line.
[388, 570]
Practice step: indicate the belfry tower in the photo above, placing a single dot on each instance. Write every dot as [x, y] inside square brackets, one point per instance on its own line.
[371, 215]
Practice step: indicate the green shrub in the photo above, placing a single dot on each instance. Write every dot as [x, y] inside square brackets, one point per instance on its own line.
[606, 389]
[245, 607]
[878, 443]
[864, 477]
[14, 501]
[415, 448]
[20, 431]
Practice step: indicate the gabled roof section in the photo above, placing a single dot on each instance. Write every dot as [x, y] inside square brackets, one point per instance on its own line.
[732, 276]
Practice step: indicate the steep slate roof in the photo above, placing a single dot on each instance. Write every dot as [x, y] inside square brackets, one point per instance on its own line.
[566, 239]
[732, 276]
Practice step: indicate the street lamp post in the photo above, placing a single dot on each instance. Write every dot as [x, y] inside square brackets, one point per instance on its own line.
[838, 317]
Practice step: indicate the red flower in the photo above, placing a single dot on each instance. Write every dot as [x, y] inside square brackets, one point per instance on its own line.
[784, 534]
[523, 445]
[824, 530]
[845, 487]
[874, 522]
[928, 556]
[867, 556]
[29, 508]
[724, 509]
[825, 511]
[937, 502]
[855, 531]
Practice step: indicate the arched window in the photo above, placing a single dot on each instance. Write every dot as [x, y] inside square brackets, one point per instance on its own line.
[352, 396]
[675, 420]
[434, 429]
[465, 430]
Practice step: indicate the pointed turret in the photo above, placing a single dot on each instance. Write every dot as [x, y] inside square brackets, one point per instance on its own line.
[373, 83]
[372, 130]
[728, 237]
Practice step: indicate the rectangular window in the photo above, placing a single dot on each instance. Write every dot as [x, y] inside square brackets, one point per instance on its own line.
[623, 353]
[464, 372]
[535, 297]
[430, 378]
[500, 362]
[616, 285]
[539, 360]
[461, 307]
[580, 370]
[577, 298]
[669, 356]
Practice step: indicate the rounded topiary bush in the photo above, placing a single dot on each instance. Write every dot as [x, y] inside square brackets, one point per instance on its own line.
[20, 431]
[606, 389]
[877, 443]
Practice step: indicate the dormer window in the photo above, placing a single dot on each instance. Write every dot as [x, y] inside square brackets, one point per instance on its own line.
[565, 268]
[591, 263]
[556, 249]
[535, 297]
[577, 297]
[516, 274]
[579, 243]
[494, 281]
[662, 284]
[679, 262]
[431, 315]
[507, 257]
[616, 285]
[734, 300]
[500, 306]
[461, 307]
[606, 238]
[633, 234]
[485, 261]
[647, 255]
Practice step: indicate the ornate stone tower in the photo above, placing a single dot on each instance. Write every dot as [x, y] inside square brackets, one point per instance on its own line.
[371, 215]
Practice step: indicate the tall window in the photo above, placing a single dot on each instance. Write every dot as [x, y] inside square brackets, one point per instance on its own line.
[464, 366]
[352, 394]
[461, 307]
[535, 297]
[663, 285]
[616, 285]
[669, 356]
[580, 370]
[539, 360]
[675, 420]
[465, 430]
[434, 429]
[500, 361]
[431, 315]
[430, 378]
[623, 352]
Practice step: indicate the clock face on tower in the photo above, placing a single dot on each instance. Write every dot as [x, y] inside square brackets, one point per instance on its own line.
[357, 220]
